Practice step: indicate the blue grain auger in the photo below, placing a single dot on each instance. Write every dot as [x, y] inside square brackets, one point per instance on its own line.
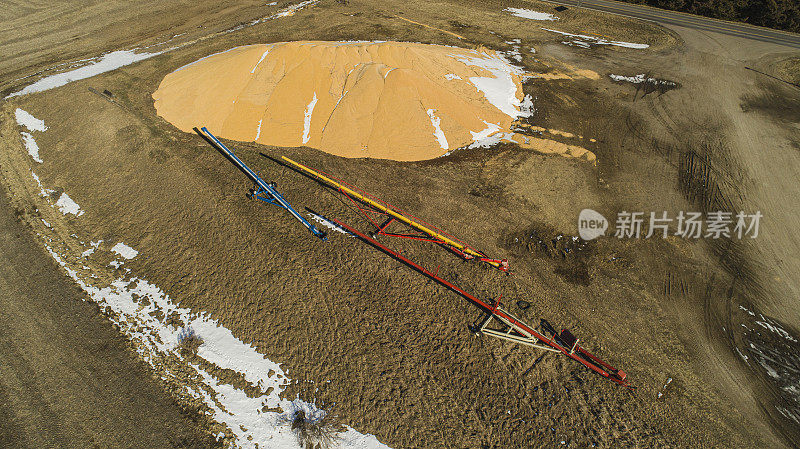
[264, 191]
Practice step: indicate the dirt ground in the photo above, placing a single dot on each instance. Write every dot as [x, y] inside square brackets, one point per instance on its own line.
[394, 346]
[68, 377]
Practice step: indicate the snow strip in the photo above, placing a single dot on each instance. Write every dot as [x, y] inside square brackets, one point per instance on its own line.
[108, 62]
[288, 11]
[67, 206]
[258, 131]
[264, 55]
[27, 120]
[437, 130]
[31, 146]
[452, 76]
[774, 328]
[307, 118]
[631, 79]
[640, 78]
[125, 250]
[42, 191]
[598, 40]
[155, 323]
[577, 43]
[529, 14]
[328, 224]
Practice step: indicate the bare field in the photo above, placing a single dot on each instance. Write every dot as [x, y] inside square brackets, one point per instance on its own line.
[384, 349]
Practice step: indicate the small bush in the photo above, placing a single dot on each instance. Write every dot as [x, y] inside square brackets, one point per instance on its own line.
[188, 341]
[313, 432]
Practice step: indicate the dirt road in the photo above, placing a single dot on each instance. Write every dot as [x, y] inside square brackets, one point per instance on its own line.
[67, 377]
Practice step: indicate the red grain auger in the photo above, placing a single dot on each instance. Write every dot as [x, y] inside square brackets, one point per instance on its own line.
[495, 320]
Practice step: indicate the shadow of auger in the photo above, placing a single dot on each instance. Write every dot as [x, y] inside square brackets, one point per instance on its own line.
[298, 171]
[210, 142]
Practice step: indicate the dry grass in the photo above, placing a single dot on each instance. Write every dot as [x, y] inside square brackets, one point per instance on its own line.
[789, 70]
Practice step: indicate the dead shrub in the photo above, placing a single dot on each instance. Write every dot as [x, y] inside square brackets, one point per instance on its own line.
[313, 433]
[188, 342]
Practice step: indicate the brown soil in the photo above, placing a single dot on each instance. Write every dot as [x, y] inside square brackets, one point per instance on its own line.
[394, 346]
[68, 378]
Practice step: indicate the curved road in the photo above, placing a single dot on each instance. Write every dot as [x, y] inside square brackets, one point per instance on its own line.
[688, 20]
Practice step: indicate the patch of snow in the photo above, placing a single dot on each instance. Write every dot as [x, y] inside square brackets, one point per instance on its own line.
[272, 4]
[115, 263]
[328, 224]
[640, 78]
[288, 11]
[437, 130]
[108, 62]
[67, 206]
[527, 105]
[529, 14]
[586, 41]
[258, 131]
[307, 118]
[514, 52]
[31, 146]
[46, 223]
[27, 120]
[485, 138]
[500, 89]
[744, 357]
[90, 251]
[125, 250]
[631, 79]
[452, 76]
[42, 191]
[577, 43]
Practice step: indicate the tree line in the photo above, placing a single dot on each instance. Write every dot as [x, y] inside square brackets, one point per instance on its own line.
[778, 14]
